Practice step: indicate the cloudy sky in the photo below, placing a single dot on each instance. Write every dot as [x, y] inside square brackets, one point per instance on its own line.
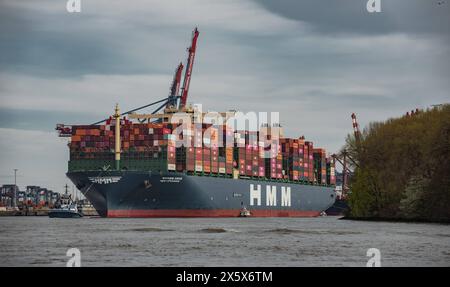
[314, 61]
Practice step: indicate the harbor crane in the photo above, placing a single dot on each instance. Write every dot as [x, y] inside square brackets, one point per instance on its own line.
[170, 103]
[344, 156]
[188, 72]
[175, 87]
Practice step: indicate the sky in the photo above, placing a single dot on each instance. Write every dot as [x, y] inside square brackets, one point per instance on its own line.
[313, 61]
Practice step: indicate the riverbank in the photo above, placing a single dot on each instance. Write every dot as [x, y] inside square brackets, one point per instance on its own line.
[43, 212]
[396, 219]
[24, 213]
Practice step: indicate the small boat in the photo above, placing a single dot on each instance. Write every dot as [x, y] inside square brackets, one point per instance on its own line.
[66, 211]
[66, 208]
[244, 212]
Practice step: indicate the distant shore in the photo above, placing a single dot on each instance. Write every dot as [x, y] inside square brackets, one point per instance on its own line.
[41, 212]
[395, 219]
[22, 213]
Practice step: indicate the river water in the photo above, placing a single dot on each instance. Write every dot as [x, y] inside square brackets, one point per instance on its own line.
[324, 241]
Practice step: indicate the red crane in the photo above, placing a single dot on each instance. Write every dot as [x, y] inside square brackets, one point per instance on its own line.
[356, 129]
[343, 158]
[189, 65]
[175, 88]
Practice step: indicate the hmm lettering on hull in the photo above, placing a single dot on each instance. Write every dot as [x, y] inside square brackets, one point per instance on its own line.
[105, 180]
[271, 195]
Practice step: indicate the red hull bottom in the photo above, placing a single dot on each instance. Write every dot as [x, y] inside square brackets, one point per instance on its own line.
[209, 213]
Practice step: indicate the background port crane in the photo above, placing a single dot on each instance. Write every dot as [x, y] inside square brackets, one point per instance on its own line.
[344, 156]
[170, 103]
[188, 72]
[175, 88]
[356, 130]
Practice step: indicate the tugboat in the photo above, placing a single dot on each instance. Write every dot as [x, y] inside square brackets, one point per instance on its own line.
[66, 208]
[244, 212]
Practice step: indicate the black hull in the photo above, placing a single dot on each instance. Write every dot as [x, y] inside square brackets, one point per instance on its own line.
[340, 207]
[64, 214]
[147, 194]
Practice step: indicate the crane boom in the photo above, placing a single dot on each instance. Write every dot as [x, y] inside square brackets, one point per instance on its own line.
[175, 88]
[356, 129]
[188, 72]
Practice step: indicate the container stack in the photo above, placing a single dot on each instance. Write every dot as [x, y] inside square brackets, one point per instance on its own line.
[198, 150]
[292, 150]
[190, 158]
[171, 151]
[320, 165]
[92, 140]
[201, 148]
[331, 175]
[276, 161]
[228, 148]
[241, 151]
[214, 144]
[309, 161]
[301, 158]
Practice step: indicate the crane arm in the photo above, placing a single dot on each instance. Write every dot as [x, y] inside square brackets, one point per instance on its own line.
[188, 72]
[356, 129]
[175, 88]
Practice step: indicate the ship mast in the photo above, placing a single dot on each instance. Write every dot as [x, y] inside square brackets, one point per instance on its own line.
[117, 138]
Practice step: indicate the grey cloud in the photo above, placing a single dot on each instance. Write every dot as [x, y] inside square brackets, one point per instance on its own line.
[313, 61]
[42, 120]
[351, 16]
[62, 45]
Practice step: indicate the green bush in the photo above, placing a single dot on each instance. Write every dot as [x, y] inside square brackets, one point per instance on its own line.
[403, 167]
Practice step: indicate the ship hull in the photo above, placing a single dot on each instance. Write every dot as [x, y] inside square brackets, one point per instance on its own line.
[147, 194]
[64, 214]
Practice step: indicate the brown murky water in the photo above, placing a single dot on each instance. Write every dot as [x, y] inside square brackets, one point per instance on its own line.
[325, 241]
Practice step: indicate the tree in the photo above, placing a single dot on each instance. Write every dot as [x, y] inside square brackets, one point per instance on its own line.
[403, 167]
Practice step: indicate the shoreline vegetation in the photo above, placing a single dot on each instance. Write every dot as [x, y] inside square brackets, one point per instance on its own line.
[402, 169]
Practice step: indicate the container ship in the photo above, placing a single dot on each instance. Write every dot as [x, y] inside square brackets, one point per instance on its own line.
[156, 165]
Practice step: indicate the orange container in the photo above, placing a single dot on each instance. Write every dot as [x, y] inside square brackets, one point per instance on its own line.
[81, 132]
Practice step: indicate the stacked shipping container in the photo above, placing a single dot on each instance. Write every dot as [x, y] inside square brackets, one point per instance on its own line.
[320, 165]
[202, 148]
[32, 196]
